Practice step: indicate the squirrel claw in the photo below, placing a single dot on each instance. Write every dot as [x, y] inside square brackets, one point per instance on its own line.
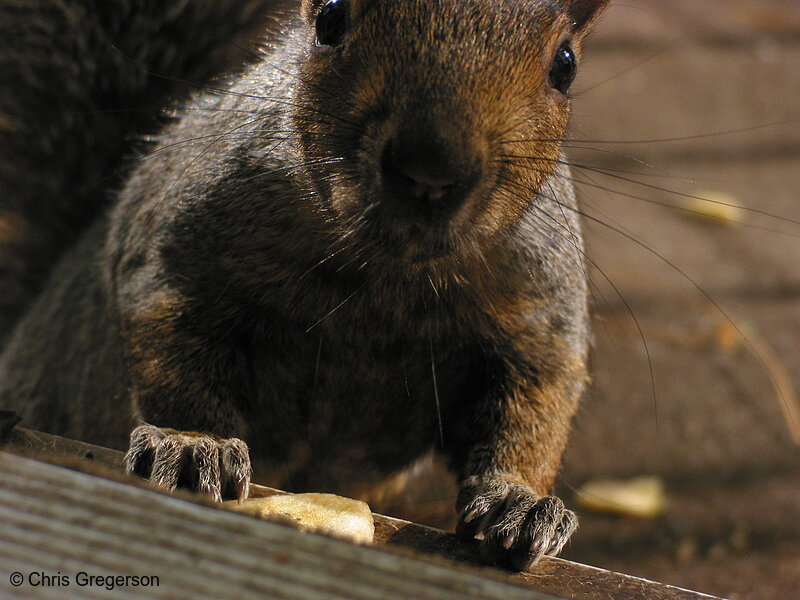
[515, 527]
[205, 464]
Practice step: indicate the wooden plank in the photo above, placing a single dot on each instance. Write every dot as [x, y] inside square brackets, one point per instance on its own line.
[59, 520]
[34, 442]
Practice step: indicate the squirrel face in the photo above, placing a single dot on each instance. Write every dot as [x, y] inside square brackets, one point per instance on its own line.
[428, 127]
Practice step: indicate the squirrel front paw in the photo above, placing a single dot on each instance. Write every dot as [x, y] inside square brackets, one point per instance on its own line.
[513, 525]
[202, 463]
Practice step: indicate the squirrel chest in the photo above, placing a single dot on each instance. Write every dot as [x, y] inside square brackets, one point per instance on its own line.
[330, 388]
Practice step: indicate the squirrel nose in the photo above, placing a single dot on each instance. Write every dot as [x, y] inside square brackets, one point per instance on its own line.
[423, 182]
[429, 175]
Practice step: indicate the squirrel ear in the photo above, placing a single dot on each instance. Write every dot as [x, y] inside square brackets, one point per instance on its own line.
[584, 13]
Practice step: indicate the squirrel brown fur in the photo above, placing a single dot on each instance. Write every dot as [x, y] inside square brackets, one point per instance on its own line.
[362, 248]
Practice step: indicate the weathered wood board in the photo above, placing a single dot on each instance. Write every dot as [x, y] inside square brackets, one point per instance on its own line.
[59, 522]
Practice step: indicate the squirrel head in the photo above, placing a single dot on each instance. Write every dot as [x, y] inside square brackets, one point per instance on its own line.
[427, 127]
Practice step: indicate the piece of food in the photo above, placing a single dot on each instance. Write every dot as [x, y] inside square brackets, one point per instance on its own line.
[714, 206]
[639, 497]
[322, 513]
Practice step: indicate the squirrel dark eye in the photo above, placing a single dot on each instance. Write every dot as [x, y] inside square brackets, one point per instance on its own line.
[332, 23]
[562, 72]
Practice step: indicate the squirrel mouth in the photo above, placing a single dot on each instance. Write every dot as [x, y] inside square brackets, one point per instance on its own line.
[403, 240]
[420, 255]
[406, 235]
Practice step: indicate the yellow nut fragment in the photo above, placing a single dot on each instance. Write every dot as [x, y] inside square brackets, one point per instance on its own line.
[322, 513]
[638, 497]
[714, 206]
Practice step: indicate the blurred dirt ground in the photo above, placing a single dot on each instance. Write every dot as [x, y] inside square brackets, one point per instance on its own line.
[717, 431]
[710, 77]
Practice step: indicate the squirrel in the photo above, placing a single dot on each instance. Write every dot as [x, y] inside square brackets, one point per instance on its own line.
[359, 248]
